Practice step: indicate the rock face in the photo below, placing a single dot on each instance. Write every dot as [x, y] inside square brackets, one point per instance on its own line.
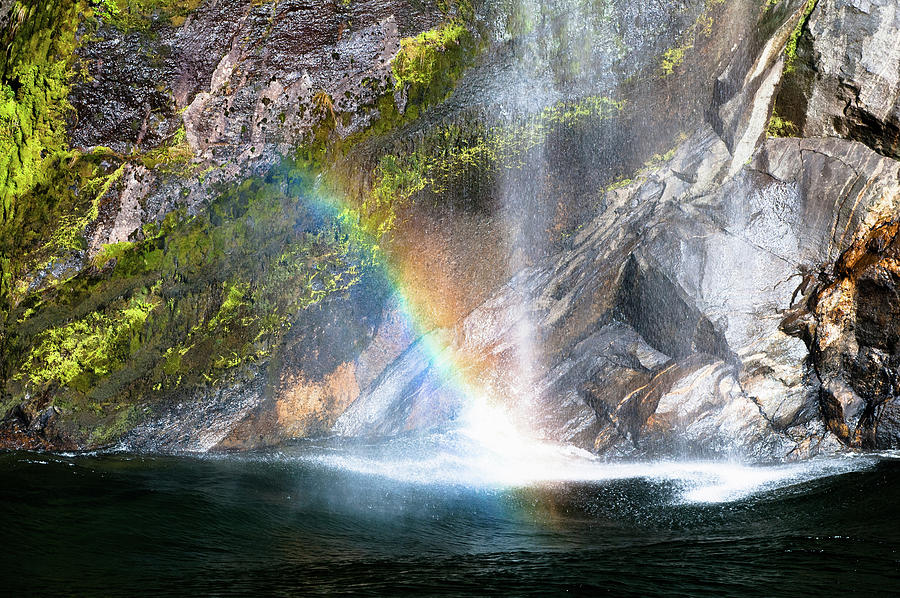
[735, 295]
[845, 81]
[244, 74]
[848, 319]
[662, 329]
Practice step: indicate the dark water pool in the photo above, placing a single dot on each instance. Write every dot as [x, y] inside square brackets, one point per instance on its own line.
[263, 525]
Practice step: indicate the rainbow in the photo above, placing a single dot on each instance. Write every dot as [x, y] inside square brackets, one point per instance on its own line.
[457, 373]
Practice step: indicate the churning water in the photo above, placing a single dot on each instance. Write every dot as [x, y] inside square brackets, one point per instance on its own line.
[445, 514]
[486, 451]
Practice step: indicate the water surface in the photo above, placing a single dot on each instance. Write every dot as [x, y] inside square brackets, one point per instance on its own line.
[361, 520]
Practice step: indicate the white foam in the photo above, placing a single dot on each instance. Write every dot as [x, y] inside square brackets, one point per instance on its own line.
[488, 452]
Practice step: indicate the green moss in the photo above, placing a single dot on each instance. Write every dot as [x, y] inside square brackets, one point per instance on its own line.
[80, 351]
[254, 314]
[111, 252]
[673, 58]
[69, 231]
[106, 8]
[194, 302]
[141, 14]
[702, 27]
[235, 301]
[452, 154]
[33, 90]
[519, 21]
[235, 277]
[121, 419]
[200, 296]
[790, 49]
[658, 159]
[650, 165]
[426, 56]
[51, 219]
[48, 192]
[398, 180]
[621, 183]
[316, 266]
[174, 157]
[779, 127]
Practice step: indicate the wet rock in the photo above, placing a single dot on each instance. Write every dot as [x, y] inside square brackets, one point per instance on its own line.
[124, 104]
[121, 212]
[196, 424]
[245, 74]
[658, 331]
[887, 430]
[743, 95]
[707, 413]
[852, 334]
[59, 268]
[307, 409]
[410, 394]
[846, 76]
[32, 425]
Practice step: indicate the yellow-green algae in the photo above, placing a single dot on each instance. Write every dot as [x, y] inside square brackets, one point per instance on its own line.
[673, 58]
[780, 127]
[452, 152]
[790, 49]
[33, 106]
[93, 346]
[430, 55]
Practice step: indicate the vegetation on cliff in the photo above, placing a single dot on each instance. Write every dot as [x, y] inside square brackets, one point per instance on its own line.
[456, 156]
[194, 298]
[197, 298]
[429, 64]
[425, 72]
[140, 14]
[790, 49]
[50, 192]
[39, 39]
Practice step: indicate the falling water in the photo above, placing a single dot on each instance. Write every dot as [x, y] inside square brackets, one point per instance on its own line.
[547, 40]
[556, 52]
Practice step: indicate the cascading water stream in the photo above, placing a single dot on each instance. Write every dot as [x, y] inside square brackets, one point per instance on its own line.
[559, 52]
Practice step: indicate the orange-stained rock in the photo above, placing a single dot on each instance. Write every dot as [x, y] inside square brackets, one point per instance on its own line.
[306, 408]
[851, 322]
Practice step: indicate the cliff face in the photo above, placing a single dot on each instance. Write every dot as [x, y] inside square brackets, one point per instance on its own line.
[227, 224]
[161, 236]
[844, 83]
[841, 77]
